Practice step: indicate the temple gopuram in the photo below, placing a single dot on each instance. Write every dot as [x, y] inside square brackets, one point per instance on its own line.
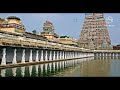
[48, 31]
[12, 24]
[94, 34]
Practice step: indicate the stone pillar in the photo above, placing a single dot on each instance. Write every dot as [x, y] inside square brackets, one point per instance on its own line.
[54, 55]
[60, 55]
[4, 57]
[37, 54]
[14, 57]
[46, 56]
[23, 56]
[57, 55]
[30, 57]
[41, 55]
[63, 55]
[50, 58]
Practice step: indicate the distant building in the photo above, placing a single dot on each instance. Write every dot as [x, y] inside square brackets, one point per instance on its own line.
[12, 24]
[94, 34]
[68, 40]
[117, 47]
[48, 31]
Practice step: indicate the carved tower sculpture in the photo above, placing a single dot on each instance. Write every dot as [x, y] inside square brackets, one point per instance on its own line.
[94, 34]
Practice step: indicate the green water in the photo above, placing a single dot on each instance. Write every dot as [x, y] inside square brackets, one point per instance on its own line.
[87, 67]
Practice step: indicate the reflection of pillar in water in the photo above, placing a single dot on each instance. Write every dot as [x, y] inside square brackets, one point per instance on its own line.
[46, 67]
[57, 65]
[36, 67]
[4, 57]
[41, 67]
[63, 64]
[60, 64]
[23, 71]
[37, 54]
[53, 66]
[30, 70]
[3, 72]
[73, 63]
[23, 56]
[30, 57]
[50, 64]
[14, 57]
[14, 71]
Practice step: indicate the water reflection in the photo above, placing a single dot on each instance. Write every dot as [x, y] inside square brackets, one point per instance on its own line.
[87, 67]
[14, 71]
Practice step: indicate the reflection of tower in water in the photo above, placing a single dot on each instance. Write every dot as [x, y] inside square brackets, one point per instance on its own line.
[95, 68]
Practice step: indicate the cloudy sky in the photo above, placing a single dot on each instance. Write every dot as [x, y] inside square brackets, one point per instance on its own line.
[65, 23]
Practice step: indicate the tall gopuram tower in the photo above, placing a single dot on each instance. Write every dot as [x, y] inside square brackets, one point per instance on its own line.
[48, 31]
[12, 24]
[94, 34]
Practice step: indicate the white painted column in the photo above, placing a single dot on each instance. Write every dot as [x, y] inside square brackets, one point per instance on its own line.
[110, 54]
[50, 58]
[60, 55]
[30, 57]
[41, 55]
[23, 56]
[37, 54]
[14, 71]
[54, 55]
[70, 54]
[57, 55]
[67, 55]
[4, 57]
[113, 55]
[23, 71]
[63, 55]
[46, 56]
[14, 57]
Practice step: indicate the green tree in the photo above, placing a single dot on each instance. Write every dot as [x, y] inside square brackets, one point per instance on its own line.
[34, 32]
